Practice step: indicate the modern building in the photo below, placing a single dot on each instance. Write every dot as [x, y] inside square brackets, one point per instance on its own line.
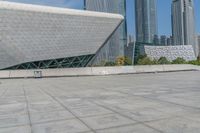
[170, 41]
[146, 20]
[183, 23]
[163, 40]
[170, 52]
[156, 40]
[199, 44]
[116, 44]
[37, 37]
[129, 49]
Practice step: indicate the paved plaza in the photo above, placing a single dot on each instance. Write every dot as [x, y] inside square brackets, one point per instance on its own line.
[138, 103]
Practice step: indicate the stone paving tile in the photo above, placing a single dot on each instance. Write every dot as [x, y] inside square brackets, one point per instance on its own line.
[32, 91]
[39, 98]
[77, 104]
[134, 104]
[8, 109]
[90, 111]
[176, 125]
[12, 100]
[2, 91]
[111, 101]
[50, 116]
[13, 120]
[66, 126]
[14, 92]
[183, 98]
[138, 128]
[106, 121]
[44, 106]
[192, 116]
[146, 114]
[19, 129]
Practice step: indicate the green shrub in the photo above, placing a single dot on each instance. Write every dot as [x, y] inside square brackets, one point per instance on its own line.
[128, 61]
[163, 60]
[155, 62]
[109, 63]
[194, 62]
[123, 61]
[179, 61]
[145, 61]
[140, 57]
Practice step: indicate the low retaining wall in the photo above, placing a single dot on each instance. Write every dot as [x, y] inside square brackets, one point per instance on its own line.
[94, 71]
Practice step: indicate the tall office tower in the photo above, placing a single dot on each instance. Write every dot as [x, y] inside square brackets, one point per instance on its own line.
[183, 23]
[146, 20]
[163, 40]
[129, 48]
[116, 44]
[199, 44]
[156, 40]
[170, 41]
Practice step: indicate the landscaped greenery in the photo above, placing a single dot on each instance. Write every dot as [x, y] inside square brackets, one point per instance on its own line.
[123, 61]
[144, 60]
[163, 60]
[109, 63]
[120, 61]
[179, 61]
[195, 62]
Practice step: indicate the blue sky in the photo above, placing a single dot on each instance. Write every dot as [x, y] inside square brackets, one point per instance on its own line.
[164, 12]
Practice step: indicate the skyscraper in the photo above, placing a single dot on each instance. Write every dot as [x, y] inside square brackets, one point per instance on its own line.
[170, 41]
[183, 23]
[116, 44]
[146, 20]
[199, 44]
[163, 40]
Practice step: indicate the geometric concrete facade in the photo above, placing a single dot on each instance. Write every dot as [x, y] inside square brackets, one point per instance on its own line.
[170, 52]
[30, 33]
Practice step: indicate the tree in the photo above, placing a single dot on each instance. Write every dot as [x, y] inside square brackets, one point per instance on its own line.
[163, 60]
[179, 61]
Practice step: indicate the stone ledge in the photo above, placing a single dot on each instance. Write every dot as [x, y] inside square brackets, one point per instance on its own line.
[95, 71]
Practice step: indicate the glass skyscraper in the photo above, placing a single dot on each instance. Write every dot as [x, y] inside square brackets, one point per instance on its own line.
[183, 23]
[198, 40]
[146, 20]
[116, 44]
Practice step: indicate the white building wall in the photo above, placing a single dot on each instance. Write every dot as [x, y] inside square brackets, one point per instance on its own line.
[171, 52]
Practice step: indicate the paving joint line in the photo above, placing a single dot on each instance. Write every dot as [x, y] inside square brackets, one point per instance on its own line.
[28, 111]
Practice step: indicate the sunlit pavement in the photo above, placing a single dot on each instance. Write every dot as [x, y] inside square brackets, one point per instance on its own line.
[139, 103]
